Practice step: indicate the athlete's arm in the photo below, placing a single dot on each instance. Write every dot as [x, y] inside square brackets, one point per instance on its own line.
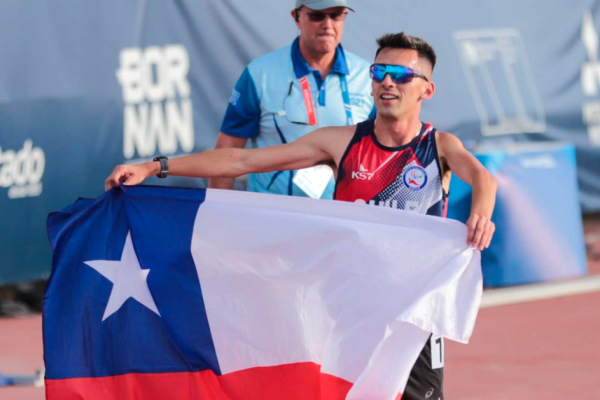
[471, 171]
[323, 146]
[226, 141]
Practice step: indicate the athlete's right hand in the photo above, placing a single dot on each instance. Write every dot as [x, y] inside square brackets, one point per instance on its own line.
[129, 174]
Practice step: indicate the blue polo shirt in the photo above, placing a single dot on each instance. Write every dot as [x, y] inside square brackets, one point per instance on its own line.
[268, 108]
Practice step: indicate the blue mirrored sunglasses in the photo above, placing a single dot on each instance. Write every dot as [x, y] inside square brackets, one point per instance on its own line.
[398, 73]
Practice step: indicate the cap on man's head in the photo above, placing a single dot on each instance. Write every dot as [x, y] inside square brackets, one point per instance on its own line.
[322, 4]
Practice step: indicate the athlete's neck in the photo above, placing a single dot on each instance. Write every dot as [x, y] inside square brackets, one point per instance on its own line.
[322, 62]
[394, 132]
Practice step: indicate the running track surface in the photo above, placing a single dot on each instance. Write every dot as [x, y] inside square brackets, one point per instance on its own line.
[548, 349]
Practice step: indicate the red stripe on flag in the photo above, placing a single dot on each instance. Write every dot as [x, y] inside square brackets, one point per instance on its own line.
[298, 381]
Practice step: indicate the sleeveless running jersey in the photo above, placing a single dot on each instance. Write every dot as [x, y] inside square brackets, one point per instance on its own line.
[406, 177]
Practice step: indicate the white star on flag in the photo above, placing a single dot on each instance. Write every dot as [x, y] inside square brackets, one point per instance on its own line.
[128, 278]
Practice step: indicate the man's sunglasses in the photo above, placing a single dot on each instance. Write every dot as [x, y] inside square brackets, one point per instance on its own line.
[317, 16]
[398, 73]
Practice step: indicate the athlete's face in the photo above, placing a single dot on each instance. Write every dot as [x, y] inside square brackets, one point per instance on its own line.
[402, 99]
[320, 37]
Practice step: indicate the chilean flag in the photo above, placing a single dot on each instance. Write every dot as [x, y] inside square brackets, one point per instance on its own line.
[171, 293]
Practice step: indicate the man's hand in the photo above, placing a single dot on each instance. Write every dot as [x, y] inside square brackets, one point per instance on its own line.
[480, 232]
[130, 174]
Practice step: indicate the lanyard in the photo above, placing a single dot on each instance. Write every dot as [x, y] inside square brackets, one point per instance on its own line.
[346, 97]
[308, 102]
[310, 107]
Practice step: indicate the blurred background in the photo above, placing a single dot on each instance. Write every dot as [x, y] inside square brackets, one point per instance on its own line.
[86, 85]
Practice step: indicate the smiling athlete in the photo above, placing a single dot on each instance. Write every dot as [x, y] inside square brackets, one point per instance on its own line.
[392, 161]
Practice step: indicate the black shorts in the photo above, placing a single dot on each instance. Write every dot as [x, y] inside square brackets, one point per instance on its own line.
[424, 382]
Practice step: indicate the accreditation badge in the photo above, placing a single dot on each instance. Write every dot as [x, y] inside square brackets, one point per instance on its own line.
[314, 180]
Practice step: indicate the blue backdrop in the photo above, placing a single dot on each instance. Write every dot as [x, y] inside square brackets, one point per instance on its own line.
[87, 85]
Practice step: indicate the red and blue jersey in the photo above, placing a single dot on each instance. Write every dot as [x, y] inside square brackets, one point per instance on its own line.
[406, 177]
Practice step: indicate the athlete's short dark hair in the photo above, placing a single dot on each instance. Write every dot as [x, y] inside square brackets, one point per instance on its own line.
[404, 41]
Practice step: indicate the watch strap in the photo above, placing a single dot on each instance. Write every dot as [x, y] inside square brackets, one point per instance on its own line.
[164, 166]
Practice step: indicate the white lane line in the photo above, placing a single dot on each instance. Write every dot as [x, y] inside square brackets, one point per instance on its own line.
[539, 291]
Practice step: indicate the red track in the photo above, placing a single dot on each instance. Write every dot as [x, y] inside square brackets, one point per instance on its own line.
[21, 354]
[547, 349]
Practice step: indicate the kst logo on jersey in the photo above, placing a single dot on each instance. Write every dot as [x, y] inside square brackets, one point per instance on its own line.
[362, 174]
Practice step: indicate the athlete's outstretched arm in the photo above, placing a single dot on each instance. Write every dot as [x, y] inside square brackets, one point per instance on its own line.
[471, 171]
[307, 151]
[226, 141]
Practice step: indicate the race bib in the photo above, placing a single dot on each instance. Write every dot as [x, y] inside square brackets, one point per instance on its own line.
[437, 352]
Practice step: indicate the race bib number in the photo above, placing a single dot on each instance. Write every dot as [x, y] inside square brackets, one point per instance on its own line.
[314, 180]
[437, 352]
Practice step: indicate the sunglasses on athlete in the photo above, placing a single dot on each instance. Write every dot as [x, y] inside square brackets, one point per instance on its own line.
[317, 16]
[398, 73]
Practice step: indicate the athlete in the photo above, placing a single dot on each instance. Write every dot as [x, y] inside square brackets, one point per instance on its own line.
[393, 161]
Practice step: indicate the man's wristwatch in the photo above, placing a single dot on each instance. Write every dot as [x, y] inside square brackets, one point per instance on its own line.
[164, 166]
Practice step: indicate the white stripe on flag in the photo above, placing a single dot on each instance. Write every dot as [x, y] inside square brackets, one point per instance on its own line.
[388, 369]
[335, 285]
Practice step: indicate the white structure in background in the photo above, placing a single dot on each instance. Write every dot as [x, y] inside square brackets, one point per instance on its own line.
[500, 80]
[590, 78]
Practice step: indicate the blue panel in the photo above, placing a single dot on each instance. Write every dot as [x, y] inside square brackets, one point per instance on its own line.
[501, 76]
[161, 228]
[539, 232]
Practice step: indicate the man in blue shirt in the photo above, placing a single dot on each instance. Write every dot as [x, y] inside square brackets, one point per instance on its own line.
[292, 91]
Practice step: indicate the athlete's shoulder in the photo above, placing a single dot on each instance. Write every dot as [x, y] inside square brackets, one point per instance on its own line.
[333, 140]
[446, 137]
[333, 137]
[336, 131]
[447, 143]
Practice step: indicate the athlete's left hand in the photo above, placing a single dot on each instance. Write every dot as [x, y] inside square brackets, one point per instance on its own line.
[481, 230]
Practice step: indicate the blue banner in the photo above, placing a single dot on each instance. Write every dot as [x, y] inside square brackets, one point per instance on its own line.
[539, 232]
[88, 85]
